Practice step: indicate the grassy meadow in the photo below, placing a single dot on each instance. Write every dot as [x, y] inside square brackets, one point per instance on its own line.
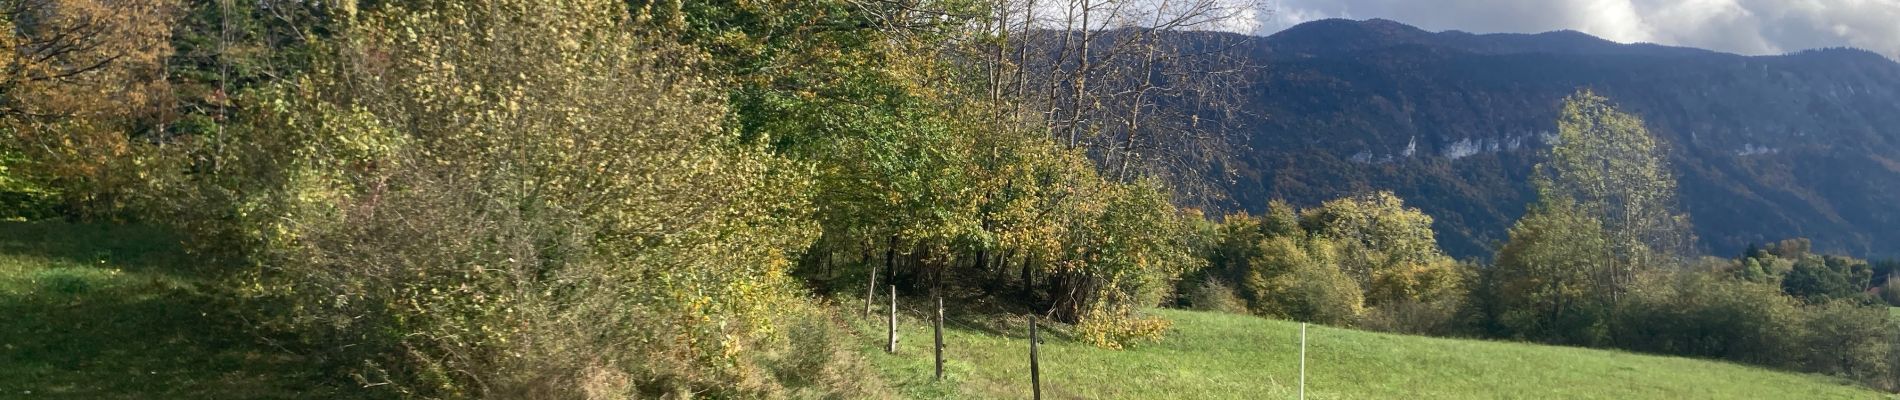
[116, 312]
[1225, 356]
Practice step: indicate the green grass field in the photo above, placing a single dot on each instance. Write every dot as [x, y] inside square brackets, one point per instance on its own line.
[1211, 355]
[115, 312]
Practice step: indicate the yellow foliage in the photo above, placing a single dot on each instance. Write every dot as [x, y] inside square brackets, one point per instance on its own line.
[543, 198]
[75, 82]
[1115, 326]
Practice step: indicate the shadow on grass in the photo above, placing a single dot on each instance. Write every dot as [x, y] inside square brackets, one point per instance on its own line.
[140, 341]
[133, 248]
[127, 327]
[989, 321]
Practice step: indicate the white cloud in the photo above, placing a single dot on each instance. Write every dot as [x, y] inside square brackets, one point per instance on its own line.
[1739, 26]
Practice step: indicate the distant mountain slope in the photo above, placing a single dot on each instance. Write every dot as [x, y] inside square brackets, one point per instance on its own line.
[1805, 144]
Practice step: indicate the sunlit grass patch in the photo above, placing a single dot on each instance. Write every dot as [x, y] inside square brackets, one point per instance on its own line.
[1226, 356]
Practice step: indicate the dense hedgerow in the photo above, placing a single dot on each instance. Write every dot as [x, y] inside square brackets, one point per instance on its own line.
[507, 199]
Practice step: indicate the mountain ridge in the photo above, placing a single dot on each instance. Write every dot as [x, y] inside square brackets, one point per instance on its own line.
[1564, 41]
[1766, 147]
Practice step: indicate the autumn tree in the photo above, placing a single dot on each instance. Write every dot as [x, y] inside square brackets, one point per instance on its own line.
[1335, 262]
[1544, 285]
[1299, 278]
[1609, 166]
[78, 81]
[459, 200]
[1388, 248]
[58, 49]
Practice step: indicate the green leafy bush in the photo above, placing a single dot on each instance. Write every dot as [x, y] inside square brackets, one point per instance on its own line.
[1850, 340]
[1301, 280]
[1436, 318]
[514, 199]
[818, 358]
[1890, 292]
[1549, 281]
[1820, 279]
[22, 196]
[1332, 263]
[1127, 252]
[1211, 294]
[1389, 249]
[1701, 315]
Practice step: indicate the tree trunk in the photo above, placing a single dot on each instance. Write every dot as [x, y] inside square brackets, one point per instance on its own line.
[1029, 284]
[890, 260]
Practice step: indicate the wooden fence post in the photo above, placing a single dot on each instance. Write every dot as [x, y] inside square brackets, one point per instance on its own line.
[892, 348]
[1035, 371]
[940, 336]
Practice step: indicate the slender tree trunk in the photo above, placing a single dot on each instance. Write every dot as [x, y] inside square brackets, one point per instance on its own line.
[1002, 269]
[1022, 51]
[1029, 283]
[1081, 79]
[890, 260]
[870, 288]
[870, 292]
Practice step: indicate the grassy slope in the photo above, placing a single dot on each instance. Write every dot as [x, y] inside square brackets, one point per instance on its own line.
[114, 312]
[1212, 355]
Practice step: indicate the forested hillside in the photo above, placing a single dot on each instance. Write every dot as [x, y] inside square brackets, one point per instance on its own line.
[607, 199]
[1765, 147]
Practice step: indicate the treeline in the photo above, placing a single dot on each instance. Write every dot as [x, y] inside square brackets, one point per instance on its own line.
[607, 199]
[1601, 261]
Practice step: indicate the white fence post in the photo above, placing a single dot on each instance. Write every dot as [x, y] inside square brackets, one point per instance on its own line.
[1302, 361]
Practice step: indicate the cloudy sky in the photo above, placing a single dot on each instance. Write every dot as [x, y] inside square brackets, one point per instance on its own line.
[1752, 27]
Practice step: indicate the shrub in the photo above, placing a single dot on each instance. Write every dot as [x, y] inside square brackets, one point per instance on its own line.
[1389, 249]
[817, 359]
[1890, 292]
[505, 222]
[1437, 318]
[1301, 280]
[86, 80]
[22, 195]
[1706, 315]
[1115, 326]
[1124, 257]
[1211, 294]
[1550, 283]
[1850, 340]
[1140, 245]
[1819, 279]
[1701, 315]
